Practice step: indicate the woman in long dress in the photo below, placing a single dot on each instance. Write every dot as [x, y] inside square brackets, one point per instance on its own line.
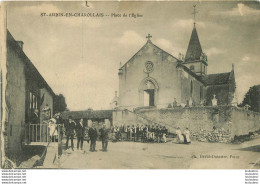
[180, 138]
[187, 135]
[53, 130]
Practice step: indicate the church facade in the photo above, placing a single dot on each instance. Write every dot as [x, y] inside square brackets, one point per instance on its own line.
[155, 78]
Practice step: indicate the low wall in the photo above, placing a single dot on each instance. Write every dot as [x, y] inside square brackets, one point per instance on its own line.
[125, 117]
[244, 121]
[211, 123]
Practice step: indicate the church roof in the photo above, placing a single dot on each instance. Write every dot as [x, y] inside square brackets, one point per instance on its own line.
[149, 42]
[194, 49]
[199, 78]
[217, 79]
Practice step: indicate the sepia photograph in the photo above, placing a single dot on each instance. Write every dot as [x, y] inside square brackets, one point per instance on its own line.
[130, 85]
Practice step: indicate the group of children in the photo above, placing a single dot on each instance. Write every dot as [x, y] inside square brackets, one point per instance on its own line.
[143, 133]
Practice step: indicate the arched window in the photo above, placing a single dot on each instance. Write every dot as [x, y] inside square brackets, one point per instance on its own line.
[191, 88]
[192, 67]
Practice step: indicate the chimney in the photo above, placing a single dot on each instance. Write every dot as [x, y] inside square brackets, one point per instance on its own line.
[20, 43]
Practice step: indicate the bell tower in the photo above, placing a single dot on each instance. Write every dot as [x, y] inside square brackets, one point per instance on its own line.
[195, 59]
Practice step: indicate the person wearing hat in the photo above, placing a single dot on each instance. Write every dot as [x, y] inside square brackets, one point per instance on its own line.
[104, 137]
[80, 131]
[165, 132]
[93, 134]
[133, 132]
[35, 119]
[70, 126]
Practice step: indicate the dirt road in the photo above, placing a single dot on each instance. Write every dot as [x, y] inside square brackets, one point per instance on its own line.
[198, 155]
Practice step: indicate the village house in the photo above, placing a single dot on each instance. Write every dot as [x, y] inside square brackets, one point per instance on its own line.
[27, 97]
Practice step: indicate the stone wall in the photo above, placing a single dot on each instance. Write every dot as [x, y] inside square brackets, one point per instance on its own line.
[195, 118]
[213, 124]
[125, 117]
[244, 121]
[191, 88]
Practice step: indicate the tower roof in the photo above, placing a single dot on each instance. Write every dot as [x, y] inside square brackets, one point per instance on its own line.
[194, 49]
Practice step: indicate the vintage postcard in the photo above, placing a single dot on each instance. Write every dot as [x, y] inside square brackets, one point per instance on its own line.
[130, 85]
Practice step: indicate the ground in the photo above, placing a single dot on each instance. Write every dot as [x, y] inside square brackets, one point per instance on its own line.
[132, 155]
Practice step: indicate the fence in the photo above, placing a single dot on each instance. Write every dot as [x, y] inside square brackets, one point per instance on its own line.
[43, 133]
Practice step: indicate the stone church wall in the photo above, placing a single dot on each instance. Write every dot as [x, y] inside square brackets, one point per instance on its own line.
[132, 77]
[186, 89]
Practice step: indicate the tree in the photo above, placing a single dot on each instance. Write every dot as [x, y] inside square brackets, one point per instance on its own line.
[252, 98]
[59, 103]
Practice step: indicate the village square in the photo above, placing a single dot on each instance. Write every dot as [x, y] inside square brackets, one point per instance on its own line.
[135, 102]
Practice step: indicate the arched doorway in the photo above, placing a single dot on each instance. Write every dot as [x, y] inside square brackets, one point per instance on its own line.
[148, 92]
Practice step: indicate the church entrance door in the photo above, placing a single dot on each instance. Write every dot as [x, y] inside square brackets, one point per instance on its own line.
[149, 97]
[148, 92]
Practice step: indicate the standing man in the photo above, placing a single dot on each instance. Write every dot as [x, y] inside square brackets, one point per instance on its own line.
[70, 126]
[35, 117]
[128, 133]
[157, 133]
[165, 132]
[134, 132]
[93, 137]
[137, 132]
[152, 132]
[80, 130]
[104, 137]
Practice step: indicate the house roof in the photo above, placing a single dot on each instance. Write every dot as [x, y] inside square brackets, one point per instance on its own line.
[88, 114]
[217, 79]
[29, 65]
[148, 42]
[194, 49]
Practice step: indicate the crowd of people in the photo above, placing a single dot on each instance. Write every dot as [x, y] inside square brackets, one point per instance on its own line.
[81, 131]
[136, 133]
[143, 133]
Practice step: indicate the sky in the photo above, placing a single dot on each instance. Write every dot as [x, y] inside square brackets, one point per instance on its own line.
[79, 57]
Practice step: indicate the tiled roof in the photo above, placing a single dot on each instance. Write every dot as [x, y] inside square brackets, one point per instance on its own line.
[217, 79]
[88, 114]
[194, 49]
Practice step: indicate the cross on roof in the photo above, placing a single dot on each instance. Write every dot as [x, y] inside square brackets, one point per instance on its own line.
[194, 13]
[149, 36]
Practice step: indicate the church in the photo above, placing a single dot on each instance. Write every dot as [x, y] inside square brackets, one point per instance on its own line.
[155, 78]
